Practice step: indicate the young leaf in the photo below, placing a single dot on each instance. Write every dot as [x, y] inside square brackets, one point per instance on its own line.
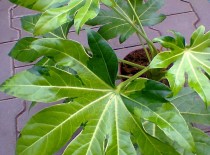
[191, 60]
[114, 25]
[191, 107]
[39, 5]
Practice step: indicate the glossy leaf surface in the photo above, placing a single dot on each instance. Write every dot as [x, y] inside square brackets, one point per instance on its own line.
[114, 25]
[191, 107]
[110, 119]
[191, 60]
[28, 24]
[39, 5]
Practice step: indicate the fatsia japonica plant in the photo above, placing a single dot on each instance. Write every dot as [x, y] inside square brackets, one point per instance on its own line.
[97, 115]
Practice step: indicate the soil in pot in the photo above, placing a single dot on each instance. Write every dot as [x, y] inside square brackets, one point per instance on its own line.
[139, 57]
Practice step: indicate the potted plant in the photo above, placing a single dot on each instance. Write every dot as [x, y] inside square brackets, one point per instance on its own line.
[137, 116]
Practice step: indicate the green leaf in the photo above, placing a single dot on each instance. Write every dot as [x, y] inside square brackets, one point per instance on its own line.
[192, 61]
[53, 18]
[88, 11]
[109, 63]
[28, 24]
[81, 11]
[202, 141]
[22, 50]
[110, 120]
[159, 111]
[39, 5]
[104, 129]
[114, 25]
[191, 107]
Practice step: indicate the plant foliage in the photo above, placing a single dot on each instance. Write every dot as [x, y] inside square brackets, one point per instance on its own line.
[188, 60]
[115, 25]
[96, 116]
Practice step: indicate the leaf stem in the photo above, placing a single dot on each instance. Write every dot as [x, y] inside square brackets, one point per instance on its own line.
[125, 83]
[153, 50]
[123, 77]
[145, 49]
[126, 18]
[131, 63]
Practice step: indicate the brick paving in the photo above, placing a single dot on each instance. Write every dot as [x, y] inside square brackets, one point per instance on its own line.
[182, 15]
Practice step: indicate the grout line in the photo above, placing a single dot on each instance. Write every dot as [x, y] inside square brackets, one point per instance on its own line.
[179, 13]
[193, 10]
[17, 117]
[17, 67]
[11, 41]
[6, 99]
[11, 13]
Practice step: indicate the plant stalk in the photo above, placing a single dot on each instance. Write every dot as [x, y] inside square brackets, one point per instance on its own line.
[153, 50]
[145, 49]
[125, 83]
[123, 77]
[131, 64]
[125, 17]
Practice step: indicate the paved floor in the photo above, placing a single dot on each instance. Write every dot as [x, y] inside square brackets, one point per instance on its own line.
[183, 16]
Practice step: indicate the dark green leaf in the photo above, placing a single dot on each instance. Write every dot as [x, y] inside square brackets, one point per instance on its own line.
[22, 50]
[109, 63]
[114, 25]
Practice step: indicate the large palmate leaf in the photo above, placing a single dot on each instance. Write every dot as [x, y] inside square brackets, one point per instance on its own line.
[110, 118]
[191, 60]
[39, 5]
[114, 25]
[28, 24]
[191, 107]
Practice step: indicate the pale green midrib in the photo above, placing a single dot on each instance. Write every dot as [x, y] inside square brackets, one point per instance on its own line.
[54, 17]
[99, 122]
[178, 72]
[38, 28]
[196, 46]
[117, 126]
[114, 27]
[112, 17]
[186, 142]
[194, 113]
[161, 62]
[84, 13]
[71, 116]
[31, 23]
[140, 127]
[195, 75]
[79, 62]
[147, 9]
[62, 87]
[200, 61]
